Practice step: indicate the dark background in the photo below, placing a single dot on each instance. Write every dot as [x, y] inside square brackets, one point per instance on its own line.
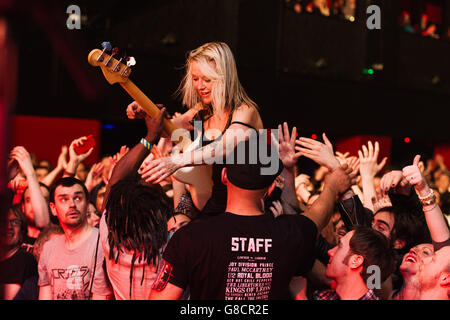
[276, 52]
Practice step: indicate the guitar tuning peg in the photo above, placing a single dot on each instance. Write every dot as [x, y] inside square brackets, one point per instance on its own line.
[131, 61]
[106, 47]
[117, 67]
[113, 52]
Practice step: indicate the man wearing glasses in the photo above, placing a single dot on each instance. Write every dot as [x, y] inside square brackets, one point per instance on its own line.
[17, 266]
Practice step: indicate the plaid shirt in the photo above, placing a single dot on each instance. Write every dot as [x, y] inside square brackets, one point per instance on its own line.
[332, 295]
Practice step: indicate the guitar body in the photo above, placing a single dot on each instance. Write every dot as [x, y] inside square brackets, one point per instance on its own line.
[197, 178]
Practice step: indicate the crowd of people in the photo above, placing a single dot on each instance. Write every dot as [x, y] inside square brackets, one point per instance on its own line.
[129, 227]
[345, 9]
[342, 9]
[423, 27]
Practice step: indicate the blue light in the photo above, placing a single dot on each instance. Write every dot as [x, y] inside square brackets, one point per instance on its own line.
[109, 126]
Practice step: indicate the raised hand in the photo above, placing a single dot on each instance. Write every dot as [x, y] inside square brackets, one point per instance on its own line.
[287, 146]
[303, 187]
[12, 169]
[119, 155]
[134, 111]
[62, 161]
[276, 208]
[156, 170]
[321, 153]
[73, 156]
[183, 120]
[21, 155]
[163, 148]
[381, 200]
[94, 176]
[368, 168]
[414, 176]
[368, 159]
[436, 222]
[279, 182]
[354, 163]
[60, 166]
[155, 126]
[342, 157]
[395, 180]
[341, 179]
[38, 202]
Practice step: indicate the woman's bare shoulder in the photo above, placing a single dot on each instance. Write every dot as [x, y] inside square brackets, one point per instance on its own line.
[248, 114]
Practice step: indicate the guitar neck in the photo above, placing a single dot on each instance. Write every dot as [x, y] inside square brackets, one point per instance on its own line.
[110, 71]
[149, 107]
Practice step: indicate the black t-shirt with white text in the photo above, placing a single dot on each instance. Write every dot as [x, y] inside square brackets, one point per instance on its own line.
[235, 257]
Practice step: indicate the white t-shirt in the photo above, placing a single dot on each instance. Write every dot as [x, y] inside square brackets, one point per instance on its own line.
[69, 272]
[119, 273]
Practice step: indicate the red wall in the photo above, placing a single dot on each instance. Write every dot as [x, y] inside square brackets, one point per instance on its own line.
[443, 150]
[353, 144]
[45, 136]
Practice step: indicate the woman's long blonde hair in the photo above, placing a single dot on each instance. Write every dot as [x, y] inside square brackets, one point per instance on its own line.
[227, 92]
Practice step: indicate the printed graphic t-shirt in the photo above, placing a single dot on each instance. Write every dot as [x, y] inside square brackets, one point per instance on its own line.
[69, 272]
[233, 257]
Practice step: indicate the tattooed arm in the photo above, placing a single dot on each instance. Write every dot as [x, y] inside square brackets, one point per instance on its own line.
[156, 170]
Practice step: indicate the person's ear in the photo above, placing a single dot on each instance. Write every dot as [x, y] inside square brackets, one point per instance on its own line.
[444, 279]
[53, 209]
[224, 176]
[399, 243]
[356, 261]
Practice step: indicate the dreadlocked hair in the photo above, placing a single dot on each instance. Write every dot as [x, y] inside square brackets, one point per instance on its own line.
[136, 216]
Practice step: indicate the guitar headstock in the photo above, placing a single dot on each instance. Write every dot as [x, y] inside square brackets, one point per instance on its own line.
[113, 70]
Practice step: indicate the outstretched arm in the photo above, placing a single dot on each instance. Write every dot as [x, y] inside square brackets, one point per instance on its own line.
[40, 207]
[74, 158]
[321, 153]
[289, 158]
[156, 170]
[435, 219]
[94, 176]
[61, 165]
[368, 168]
[131, 161]
[336, 183]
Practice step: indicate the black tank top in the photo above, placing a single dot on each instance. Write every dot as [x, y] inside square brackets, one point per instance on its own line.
[218, 201]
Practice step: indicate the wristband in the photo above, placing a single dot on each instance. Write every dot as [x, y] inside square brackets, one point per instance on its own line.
[429, 199]
[431, 194]
[146, 143]
[429, 209]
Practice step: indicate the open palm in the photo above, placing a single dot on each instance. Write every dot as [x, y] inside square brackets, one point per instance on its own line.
[287, 146]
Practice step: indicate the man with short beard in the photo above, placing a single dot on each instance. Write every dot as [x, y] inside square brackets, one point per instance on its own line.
[349, 263]
[426, 274]
[434, 276]
[70, 266]
[425, 268]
